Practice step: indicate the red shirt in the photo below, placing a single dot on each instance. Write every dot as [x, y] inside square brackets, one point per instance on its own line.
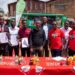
[55, 37]
[72, 39]
[24, 32]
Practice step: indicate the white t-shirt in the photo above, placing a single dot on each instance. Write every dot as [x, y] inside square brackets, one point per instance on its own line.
[45, 28]
[13, 36]
[66, 32]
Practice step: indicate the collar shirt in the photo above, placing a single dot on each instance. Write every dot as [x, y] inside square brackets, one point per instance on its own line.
[66, 32]
[45, 28]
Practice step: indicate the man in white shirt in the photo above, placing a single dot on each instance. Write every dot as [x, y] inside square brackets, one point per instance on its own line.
[14, 42]
[46, 28]
[66, 29]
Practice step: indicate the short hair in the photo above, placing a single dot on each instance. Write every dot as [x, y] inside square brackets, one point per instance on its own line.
[38, 21]
[23, 21]
[13, 20]
[72, 22]
[45, 17]
[67, 21]
[55, 22]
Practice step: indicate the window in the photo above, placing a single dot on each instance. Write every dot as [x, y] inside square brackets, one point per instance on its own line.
[60, 7]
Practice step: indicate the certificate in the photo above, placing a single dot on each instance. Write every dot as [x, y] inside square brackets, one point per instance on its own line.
[3, 37]
[25, 42]
[13, 39]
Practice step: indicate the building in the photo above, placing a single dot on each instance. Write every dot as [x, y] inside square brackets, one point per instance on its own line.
[66, 7]
[12, 9]
[32, 6]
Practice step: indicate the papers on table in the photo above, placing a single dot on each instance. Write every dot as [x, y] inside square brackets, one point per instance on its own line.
[25, 42]
[25, 68]
[74, 68]
[13, 40]
[3, 37]
[58, 58]
[39, 69]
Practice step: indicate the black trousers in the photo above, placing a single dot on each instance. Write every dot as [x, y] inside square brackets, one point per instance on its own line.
[16, 50]
[71, 52]
[4, 49]
[37, 51]
[25, 51]
[56, 52]
[46, 49]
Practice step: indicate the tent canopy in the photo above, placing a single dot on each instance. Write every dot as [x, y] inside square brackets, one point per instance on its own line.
[42, 14]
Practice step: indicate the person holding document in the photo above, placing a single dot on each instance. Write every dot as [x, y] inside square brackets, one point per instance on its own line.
[13, 39]
[23, 36]
[4, 31]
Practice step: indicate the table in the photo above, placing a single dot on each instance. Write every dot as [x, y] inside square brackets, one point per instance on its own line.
[50, 67]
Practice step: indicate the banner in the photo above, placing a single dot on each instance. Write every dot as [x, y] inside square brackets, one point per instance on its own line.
[19, 10]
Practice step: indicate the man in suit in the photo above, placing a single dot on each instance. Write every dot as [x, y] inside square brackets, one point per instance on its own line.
[46, 27]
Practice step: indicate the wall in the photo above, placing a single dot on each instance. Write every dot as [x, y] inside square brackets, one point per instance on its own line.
[66, 7]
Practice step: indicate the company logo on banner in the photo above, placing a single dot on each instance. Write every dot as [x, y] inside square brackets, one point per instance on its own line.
[19, 10]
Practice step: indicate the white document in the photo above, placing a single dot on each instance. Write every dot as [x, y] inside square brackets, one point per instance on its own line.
[58, 58]
[13, 40]
[3, 37]
[25, 42]
[39, 69]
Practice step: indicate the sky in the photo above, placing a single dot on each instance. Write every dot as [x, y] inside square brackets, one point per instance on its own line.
[4, 4]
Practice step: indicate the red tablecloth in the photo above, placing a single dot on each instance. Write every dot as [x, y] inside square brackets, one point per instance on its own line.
[9, 68]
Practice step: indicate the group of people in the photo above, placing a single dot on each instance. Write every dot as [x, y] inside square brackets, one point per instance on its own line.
[45, 40]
